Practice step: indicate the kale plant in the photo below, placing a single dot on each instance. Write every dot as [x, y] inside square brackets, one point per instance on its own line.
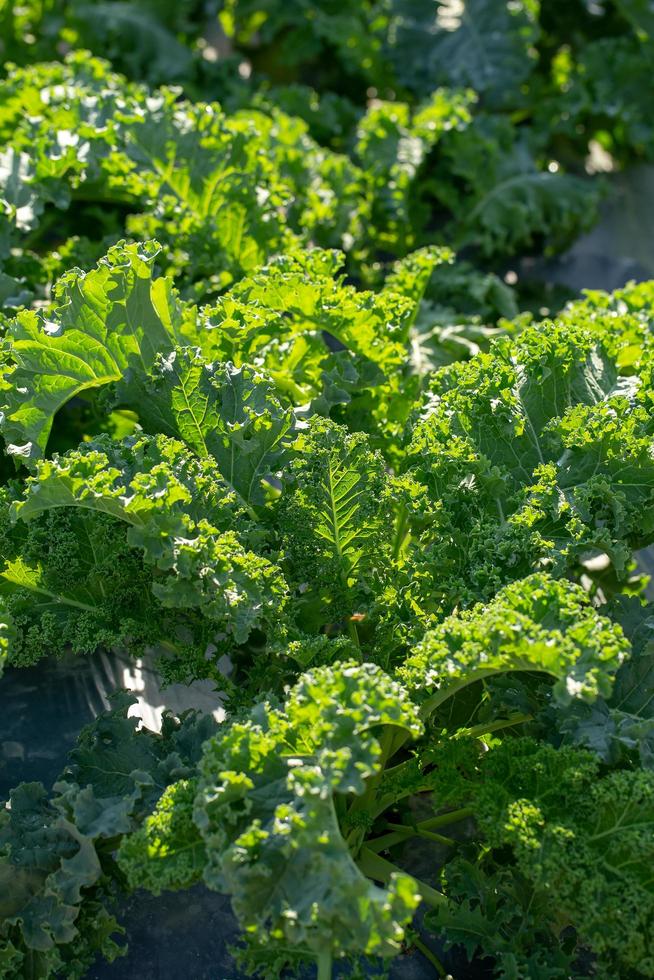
[263, 426]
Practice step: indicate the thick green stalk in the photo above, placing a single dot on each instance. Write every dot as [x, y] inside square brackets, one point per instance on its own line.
[374, 866]
[425, 834]
[365, 801]
[403, 833]
[446, 818]
[354, 636]
[325, 966]
[487, 728]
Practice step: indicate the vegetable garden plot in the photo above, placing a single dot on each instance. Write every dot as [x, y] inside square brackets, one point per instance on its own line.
[262, 425]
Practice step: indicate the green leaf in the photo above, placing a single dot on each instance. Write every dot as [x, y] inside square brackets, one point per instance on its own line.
[211, 186]
[536, 455]
[610, 72]
[487, 46]
[495, 912]
[536, 624]
[140, 479]
[7, 636]
[265, 809]
[503, 197]
[119, 760]
[21, 201]
[13, 292]
[303, 293]
[58, 875]
[70, 580]
[582, 838]
[126, 29]
[336, 517]
[410, 276]
[621, 725]
[345, 29]
[167, 852]
[343, 377]
[180, 512]
[393, 143]
[108, 322]
[232, 414]
[50, 862]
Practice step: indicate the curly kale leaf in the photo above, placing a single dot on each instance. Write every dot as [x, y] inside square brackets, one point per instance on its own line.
[536, 624]
[70, 580]
[487, 46]
[182, 515]
[393, 141]
[434, 334]
[303, 294]
[583, 839]
[621, 319]
[502, 196]
[221, 193]
[21, 202]
[186, 163]
[620, 727]
[412, 275]
[327, 196]
[335, 521]
[463, 310]
[266, 812]
[116, 758]
[602, 90]
[211, 186]
[339, 346]
[139, 479]
[63, 113]
[144, 39]
[176, 855]
[8, 636]
[120, 764]
[536, 455]
[298, 37]
[49, 868]
[108, 322]
[133, 324]
[59, 876]
[232, 414]
[495, 912]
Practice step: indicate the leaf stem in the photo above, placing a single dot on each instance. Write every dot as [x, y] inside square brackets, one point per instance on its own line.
[425, 834]
[354, 635]
[427, 953]
[488, 728]
[439, 697]
[454, 816]
[365, 801]
[325, 965]
[168, 645]
[405, 832]
[382, 870]
[401, 531]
